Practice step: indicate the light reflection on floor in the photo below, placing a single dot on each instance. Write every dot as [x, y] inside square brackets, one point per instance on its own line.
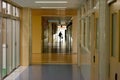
[58, 44]
[49, 72]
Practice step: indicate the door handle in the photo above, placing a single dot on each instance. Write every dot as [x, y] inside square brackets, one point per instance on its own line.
[94, 59]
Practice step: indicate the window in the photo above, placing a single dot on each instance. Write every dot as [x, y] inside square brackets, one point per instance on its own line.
[114, 35]
[17, 43]
[9, 38]
[86, 30]
[14, 11]
[94, 3]
[17, 12]
[89, 5]
[9, 45]
[80, 31]
[13, 44]
[4, 7]
[4, 47]
[97, 34]
[0, 47]
[9, 10]
[88, 33]
[83, 10]
[83, 31]
[0, 5]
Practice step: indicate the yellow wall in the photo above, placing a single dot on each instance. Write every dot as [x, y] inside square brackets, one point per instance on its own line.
[36, 34]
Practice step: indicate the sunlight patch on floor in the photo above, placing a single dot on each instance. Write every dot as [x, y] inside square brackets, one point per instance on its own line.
[16, 73]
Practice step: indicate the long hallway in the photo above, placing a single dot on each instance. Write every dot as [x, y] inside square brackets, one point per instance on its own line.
[59, 39]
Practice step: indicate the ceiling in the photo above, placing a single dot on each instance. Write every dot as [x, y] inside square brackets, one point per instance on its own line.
[31, 3]
[58, 20]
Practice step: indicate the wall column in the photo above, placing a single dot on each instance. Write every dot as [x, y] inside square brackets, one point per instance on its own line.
[74, 34]
[104, 42]
[25, 36]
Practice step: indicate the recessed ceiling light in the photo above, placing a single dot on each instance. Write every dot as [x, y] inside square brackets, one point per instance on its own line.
[51, 2]
[54, 7]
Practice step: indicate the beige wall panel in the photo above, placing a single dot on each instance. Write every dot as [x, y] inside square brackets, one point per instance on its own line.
[25, 37]
[114, 61]
[74, 34]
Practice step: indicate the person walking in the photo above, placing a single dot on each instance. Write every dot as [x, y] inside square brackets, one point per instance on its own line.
[60, 36]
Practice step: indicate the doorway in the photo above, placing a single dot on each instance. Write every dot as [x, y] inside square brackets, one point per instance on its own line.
[57, 34]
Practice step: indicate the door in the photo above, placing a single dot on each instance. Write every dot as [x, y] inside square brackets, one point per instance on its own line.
[9, 45]
[96, 62]
[114, 41]
[94, 49]
[17, 42]
[0, 48]
[4, 47]
[13, 44]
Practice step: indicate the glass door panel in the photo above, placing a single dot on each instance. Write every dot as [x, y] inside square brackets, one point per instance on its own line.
[0, 48]
[9, 46]
[114, 36]
[9, 11]
[17, 43]
[88, 33]
[17, 12]
[0, 5]
[4, 7]
[14, 13]
[13, 44]
[4, 47]
[97, 34]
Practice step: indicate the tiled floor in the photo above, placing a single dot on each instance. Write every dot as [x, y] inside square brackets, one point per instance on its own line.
[57, 47]
[50, 72]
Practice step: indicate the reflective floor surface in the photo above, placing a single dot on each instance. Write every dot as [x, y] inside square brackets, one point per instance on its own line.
[55, 58]
[57, 47]
[50, 72]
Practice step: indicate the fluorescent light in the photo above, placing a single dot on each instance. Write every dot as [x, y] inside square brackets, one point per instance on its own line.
[54, 7]
[51, 2]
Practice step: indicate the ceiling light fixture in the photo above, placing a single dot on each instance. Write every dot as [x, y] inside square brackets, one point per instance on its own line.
[54, 7]
[51, 2]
